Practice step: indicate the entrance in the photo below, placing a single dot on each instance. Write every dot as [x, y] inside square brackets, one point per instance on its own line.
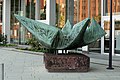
[115, 35]
[24, 8]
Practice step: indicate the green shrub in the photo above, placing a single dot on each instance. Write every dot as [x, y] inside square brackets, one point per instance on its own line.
[3, 39]
[34, 44]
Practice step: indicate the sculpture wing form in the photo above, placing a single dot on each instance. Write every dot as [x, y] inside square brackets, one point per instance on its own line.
[67, 28]
[68, 37]
[46, 34]
[75, 37]
[93, 32]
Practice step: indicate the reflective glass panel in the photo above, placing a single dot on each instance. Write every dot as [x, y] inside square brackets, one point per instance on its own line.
[42, 9]
[60, 13]
[106, 38]
[117, 36]
[115, 7]
[19, 34]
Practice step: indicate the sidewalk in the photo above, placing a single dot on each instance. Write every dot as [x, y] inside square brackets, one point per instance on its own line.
[27, 65]
[104, 59]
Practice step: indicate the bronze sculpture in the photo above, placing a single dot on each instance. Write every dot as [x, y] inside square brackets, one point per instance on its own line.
[66, 38]
[69, 37]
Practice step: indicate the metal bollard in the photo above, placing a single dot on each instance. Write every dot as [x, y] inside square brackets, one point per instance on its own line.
[2, 71]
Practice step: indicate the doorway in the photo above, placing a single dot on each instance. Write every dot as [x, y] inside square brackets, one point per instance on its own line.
[115, 35]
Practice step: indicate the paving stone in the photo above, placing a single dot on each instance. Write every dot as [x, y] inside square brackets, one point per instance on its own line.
[24, 66]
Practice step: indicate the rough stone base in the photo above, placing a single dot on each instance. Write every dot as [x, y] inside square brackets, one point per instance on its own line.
[67, 62]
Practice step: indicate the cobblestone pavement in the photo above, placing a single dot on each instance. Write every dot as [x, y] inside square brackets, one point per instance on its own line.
[23, 65]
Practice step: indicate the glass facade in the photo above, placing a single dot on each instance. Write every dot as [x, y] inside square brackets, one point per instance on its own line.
[117, 36]
[115, 25]
[42, 9]
[82, 10]
[26, 8]
[92, 9]
[60, 13]
[115, 8]
[106, 38]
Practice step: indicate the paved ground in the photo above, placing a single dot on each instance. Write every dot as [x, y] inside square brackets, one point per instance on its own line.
[23, 65]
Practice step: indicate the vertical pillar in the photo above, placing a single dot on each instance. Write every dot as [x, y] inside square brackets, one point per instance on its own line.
[102, 25]
[70, 10]
[23, 7]
[30, 1]
[113, 36]
[89, 8]
[6, 19]
[51, 11]
[85, 48]
[78, 10]
[37, 10]
[102, 39]
[22, 29]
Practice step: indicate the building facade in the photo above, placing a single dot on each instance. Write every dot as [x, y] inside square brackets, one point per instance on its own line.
[105, 23]
[34, 9]
[56, 12]
[89, 8]
[1, 7]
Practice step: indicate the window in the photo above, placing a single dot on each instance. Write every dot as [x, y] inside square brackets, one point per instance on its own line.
[60, 13]
[18, 32]
[116, 7]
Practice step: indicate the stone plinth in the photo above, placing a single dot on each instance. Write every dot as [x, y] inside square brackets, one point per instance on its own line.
[67, 62]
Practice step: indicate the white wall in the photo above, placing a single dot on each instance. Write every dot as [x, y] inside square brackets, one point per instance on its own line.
[6, 19]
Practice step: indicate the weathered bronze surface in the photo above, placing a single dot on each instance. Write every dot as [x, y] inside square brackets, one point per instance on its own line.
[69, 37]
[66, 38]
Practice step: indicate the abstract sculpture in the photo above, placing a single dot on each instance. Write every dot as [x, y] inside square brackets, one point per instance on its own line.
[66, 38]
[69, 37]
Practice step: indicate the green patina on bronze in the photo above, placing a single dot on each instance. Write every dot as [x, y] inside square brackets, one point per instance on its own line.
[69, 37]
[93, 32]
